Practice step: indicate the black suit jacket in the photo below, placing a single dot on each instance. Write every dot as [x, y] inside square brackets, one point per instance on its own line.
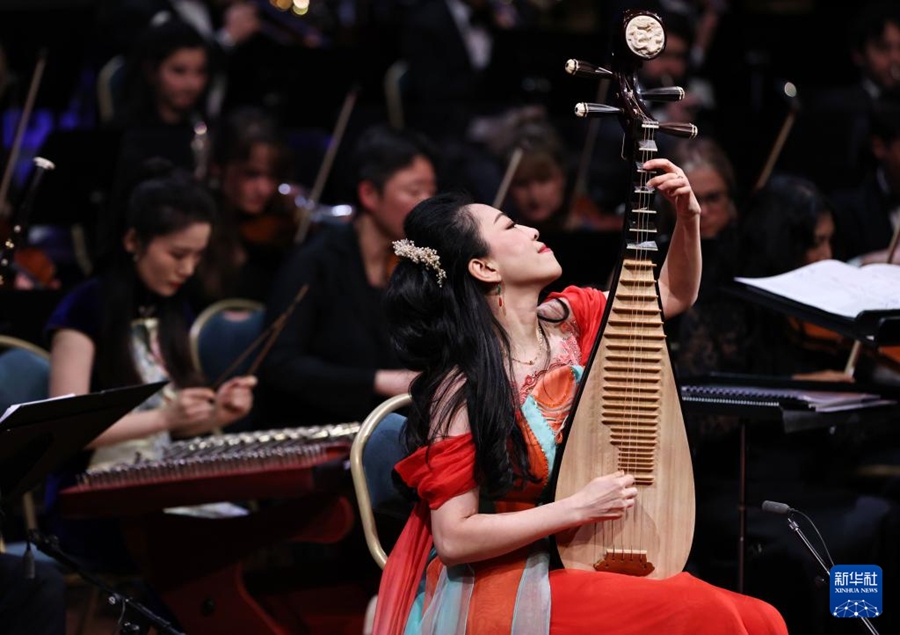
[863, 219]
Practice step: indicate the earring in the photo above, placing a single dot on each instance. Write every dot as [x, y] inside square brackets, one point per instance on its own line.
[500, 298]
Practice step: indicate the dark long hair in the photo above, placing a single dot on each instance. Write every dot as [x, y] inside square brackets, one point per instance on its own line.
[779, 225]
[449, 333]
[152, 47]
[157, 207]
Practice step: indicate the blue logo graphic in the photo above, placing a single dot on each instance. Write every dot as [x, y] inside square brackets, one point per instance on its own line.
[856, 590]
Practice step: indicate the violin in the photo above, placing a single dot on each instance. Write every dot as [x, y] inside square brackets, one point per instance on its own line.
[278, 226]
[22, 265]
[275, 226]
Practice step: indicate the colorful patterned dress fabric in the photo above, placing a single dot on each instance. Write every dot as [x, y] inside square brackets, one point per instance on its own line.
[516, 593]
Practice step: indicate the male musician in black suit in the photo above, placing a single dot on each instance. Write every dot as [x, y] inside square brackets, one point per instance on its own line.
[333, 361]
[869, 214]
[461, 77]
[449, 46]
[831, 142]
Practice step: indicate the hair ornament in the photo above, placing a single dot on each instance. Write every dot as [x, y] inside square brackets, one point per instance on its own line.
[421, 255]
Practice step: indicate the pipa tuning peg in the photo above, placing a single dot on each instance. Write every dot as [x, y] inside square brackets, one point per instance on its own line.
[684, 130]
[666, 94]
[586, 109]
[579, 68]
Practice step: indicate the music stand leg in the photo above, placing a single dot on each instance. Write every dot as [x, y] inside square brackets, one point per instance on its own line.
[50, 547]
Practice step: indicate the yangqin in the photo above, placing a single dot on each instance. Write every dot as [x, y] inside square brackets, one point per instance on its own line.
[241, 466]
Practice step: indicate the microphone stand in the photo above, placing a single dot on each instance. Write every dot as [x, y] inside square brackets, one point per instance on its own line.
[792, 524]
[50, 546]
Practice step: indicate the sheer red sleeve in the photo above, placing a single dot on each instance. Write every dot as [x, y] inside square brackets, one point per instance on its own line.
[587, 307]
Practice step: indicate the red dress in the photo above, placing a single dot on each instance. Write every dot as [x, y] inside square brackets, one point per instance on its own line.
[516, 593]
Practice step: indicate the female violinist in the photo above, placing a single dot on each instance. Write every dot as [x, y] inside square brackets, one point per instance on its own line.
[541, 193]
[249, 162]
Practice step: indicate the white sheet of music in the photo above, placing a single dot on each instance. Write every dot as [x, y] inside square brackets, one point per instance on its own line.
[836, 287]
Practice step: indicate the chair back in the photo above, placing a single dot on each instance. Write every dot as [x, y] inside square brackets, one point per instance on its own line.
[110, 82]
[394, 91]
[222, 332]
[24, 376]
[376, 448]
[24, 371]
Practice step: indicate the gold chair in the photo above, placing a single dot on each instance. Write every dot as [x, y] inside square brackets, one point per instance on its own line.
[109, 88]
[389, 448]
[223, 331]
[394, 80]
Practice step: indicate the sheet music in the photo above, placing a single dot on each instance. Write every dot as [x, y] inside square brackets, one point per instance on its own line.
[836, 287]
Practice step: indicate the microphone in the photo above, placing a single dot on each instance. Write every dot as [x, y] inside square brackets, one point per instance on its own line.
[777, 508]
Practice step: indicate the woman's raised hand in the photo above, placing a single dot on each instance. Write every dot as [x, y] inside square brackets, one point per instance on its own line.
[605, 497]
[674, 185]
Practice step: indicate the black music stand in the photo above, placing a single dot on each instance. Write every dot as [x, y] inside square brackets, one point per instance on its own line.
[38, 437]
[793, 416]
[874, 328]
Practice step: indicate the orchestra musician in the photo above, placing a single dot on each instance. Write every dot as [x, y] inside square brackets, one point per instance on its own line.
[542, 190]
[333, 361]
[129, 325]
[498, 374]
[257, 224]
[166, 78]
[705, 332]
[868, 214]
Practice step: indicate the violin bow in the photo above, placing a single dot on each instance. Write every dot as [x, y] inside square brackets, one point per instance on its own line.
[8, 266]
[22, 125]
[269, 335]
[511, 168]
[590, 141]
[790, 91]
[327, 162]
